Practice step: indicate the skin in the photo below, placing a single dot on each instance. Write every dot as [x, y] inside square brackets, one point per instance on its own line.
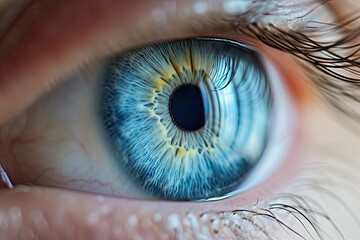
[37, 64]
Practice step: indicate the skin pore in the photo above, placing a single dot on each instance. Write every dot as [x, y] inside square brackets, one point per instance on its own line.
[316, 177]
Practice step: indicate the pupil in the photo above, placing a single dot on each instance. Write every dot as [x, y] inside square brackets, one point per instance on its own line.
[187, 108]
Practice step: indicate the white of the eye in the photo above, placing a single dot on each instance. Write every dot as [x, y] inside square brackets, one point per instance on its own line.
[282, 132]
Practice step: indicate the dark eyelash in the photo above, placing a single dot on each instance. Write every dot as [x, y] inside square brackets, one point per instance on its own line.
[321, 60]
[308, 219]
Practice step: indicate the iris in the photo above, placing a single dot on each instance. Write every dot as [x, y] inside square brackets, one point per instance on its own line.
[187, 119]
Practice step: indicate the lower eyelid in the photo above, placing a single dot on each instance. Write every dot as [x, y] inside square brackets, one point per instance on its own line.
[97, 217]
[30, 214]
[24, 211]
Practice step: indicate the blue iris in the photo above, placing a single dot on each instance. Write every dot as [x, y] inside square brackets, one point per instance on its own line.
[187, 119]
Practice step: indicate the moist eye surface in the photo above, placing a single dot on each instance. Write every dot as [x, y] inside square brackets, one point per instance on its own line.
[187, 119]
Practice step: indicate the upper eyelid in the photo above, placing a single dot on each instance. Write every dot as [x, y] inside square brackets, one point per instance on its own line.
[24, 56]
[22, 49]
[228, 22]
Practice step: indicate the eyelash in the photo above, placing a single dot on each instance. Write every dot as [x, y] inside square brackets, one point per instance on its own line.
[321, 60]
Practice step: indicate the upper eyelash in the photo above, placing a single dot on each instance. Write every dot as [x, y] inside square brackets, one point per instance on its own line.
[322, 58]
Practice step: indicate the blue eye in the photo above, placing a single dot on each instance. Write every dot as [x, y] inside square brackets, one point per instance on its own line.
[187, 119]
[196, 119]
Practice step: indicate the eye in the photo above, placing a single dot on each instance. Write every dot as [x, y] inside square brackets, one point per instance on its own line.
[64, 136]
[146, 146]
[187, 119]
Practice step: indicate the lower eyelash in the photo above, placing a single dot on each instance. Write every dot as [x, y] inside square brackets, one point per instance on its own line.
[316, 217]
[293, 215]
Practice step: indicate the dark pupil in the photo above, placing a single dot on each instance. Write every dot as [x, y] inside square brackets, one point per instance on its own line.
[187, 107]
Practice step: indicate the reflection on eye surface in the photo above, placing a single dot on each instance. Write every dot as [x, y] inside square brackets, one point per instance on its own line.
[304, 210]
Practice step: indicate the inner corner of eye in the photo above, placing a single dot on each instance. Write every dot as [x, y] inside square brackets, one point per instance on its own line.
[192, 119]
